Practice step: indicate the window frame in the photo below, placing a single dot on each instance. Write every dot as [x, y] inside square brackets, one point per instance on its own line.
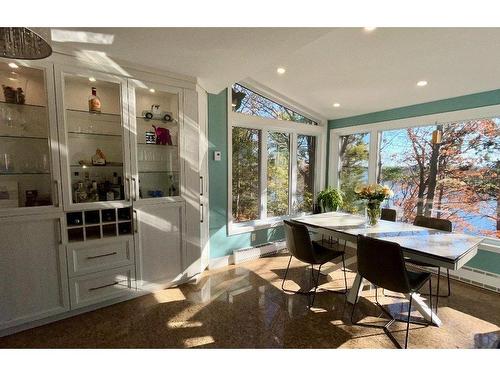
[266, 125]
[376, 129]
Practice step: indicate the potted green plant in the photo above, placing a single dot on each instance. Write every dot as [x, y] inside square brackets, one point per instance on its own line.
[330, 199]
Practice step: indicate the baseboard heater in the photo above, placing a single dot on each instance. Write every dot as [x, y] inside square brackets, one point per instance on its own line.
[261, 251]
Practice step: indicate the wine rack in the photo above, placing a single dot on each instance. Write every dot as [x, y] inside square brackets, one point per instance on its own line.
[99, 223]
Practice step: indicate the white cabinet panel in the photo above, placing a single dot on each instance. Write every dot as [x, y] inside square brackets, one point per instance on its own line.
[33, 270]
[99, 255]
[101, 286]
[159, 244]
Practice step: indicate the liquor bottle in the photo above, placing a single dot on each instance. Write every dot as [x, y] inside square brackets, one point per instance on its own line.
[94, 195]
[94, 102]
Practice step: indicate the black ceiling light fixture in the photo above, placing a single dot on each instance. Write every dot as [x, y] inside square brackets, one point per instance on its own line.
[238, 97]
[23, 44]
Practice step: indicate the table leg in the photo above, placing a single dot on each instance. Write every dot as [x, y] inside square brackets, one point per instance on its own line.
[423, 309]
[356, 288]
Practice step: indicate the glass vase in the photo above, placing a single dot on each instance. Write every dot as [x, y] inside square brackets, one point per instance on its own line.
[373, 212]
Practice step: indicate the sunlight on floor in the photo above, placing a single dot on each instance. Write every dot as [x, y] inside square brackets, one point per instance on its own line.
[198, 341]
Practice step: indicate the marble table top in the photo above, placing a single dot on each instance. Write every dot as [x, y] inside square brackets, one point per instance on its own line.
[432, 243]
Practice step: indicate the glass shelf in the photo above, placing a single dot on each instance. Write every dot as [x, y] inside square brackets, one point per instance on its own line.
[86, 166]
[94, 113]
[22, 173]
[168, 172]
[96, 134]
[155, 145]
[23, 137]
[22, 105]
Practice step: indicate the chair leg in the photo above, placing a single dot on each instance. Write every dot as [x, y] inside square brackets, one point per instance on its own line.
[437, 291]
[345, 277]
[315, 284]
[448, 277]
[430, 295]
[408, 321]
[286, 273]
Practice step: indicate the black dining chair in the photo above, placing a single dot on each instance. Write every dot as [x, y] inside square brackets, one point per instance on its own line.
[300, 246]
[382, 263]
[440, 224]
[388, 214]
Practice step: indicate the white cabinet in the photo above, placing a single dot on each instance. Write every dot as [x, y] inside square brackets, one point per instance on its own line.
[96, 250]
[29, 152]
[159, 244]
[95, 161]
[33, 270]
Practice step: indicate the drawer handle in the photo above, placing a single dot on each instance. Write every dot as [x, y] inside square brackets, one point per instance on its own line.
[103, 286]
[102, 255]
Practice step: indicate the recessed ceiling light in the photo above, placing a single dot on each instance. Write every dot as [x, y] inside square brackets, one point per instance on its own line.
[151, 90]
[13, 65]
[336, 105]
[369, 29]
[281, 70]
[92, 79]
[422, 83]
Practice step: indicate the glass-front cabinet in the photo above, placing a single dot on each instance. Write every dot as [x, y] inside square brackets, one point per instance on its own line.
[95, 138]
[155, 137]
[29, 172]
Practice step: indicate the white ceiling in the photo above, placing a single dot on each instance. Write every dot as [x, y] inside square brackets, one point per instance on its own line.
[364, 72]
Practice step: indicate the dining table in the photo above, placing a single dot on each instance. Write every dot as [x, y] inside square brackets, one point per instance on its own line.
[438, 248]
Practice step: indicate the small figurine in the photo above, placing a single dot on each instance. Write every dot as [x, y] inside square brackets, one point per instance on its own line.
[99, 158]
[155, 114]
[162, 136]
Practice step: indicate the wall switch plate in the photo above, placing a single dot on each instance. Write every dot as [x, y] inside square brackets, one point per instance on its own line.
[253, 236]
[217, 155]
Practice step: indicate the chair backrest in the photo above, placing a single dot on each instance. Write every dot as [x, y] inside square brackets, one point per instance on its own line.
[388, 214]
[433, 223]
[382, 263]
[298, 241]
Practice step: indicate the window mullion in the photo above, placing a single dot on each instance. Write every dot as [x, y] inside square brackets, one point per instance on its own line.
[373, 157]
[263, 174]
[292, 174]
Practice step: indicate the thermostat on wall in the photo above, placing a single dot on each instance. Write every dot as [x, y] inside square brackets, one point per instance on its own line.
[217, 155]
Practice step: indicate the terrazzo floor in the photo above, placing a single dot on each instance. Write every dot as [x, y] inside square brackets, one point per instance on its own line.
[244, 307]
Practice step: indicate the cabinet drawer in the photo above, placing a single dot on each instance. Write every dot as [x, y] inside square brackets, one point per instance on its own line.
[101, 286]
[99, 256]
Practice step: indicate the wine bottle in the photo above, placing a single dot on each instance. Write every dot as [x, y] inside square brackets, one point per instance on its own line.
[94, 102]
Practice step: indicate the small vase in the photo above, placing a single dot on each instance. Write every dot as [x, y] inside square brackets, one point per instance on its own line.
[373, 212]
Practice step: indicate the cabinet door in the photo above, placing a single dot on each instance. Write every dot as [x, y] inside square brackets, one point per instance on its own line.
[156, 124]
[32, 268]
[29, 164]
[193, 186]
[159, 244]
[94, 138]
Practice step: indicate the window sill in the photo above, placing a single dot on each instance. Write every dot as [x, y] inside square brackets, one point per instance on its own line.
[255, 225]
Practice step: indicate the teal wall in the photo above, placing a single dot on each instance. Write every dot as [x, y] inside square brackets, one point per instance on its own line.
[484, 260]
[220, 243]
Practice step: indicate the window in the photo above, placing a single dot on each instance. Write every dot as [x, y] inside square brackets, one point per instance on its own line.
[306, 153]
[246, 174]
[455, 179]
[278, 165]
[273, 164]
[249, 102]
[353, 159]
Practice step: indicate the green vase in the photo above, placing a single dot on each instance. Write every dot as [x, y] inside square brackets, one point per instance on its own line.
[373, 212]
